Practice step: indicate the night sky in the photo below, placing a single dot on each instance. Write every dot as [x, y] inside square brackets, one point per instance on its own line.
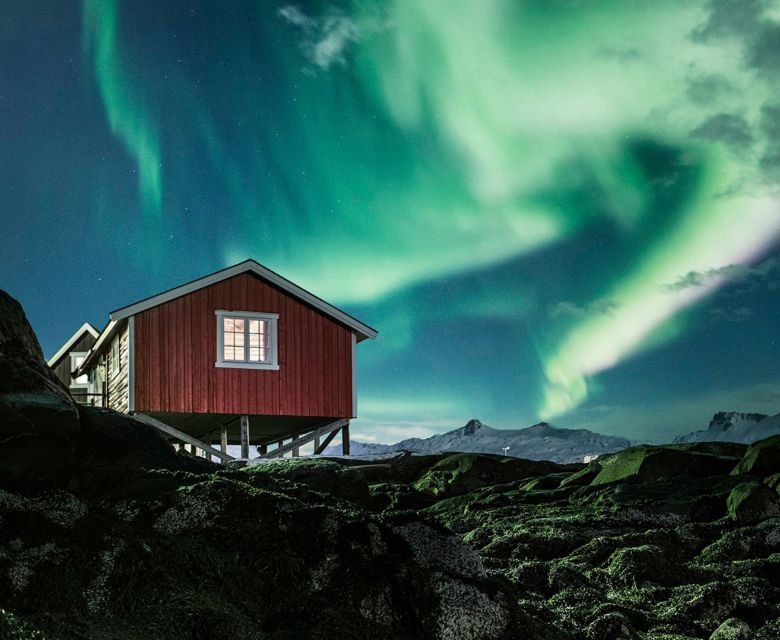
[563, 210]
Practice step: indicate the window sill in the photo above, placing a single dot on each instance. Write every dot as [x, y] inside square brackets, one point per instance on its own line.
[247, 365]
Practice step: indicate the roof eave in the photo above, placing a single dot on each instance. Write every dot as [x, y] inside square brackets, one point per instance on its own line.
[361, 329]
[84, 328]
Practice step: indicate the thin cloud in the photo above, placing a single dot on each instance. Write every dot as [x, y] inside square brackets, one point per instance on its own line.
[729, 273]
[326, 40]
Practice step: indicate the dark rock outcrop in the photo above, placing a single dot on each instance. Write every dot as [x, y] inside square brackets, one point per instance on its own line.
[762, 458]
[752, 502]
[39, 422]
[644, 463]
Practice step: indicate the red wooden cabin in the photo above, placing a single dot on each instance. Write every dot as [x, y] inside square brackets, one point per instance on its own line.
[239, 356]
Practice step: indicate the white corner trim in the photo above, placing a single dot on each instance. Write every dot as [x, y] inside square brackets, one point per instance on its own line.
[354, 375]
[86, 327]
[273, 322]
[131, 364]
[266, 274]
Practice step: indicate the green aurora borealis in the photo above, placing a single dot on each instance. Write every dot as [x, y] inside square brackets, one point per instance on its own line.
[563, 210]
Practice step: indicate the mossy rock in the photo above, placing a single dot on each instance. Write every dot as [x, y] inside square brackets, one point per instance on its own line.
[773, 481]
[752, 502]
[761, 459]
[645, 563]
[645, 463]
[545, 483]
[614, 626]
[732, 629]
[583, 477]
[463, 472]
[770, 631]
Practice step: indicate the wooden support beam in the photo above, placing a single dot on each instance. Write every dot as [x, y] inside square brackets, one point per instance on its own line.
[326, 442]
[345, 439]
[180, 435]
[223, 438]
[262, 449]
[296, 450]
[316, 443]
[303, 439]
[244, 437]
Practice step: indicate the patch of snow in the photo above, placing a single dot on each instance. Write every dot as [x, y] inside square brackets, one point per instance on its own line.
[731, 426]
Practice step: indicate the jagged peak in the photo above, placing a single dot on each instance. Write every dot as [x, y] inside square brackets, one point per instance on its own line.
[472, 426]
[725, 419]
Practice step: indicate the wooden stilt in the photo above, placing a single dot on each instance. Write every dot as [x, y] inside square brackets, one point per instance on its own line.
[244, 437]
[263, 449]
[178, 435]
[345, 439]
[296, 450]
[316, 442]
[299, 440]
[207, 454]
[223, 438]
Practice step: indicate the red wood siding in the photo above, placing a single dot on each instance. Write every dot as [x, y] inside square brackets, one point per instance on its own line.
[175, 351]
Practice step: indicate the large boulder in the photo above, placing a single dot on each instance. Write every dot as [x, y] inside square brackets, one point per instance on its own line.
[39, 421]
[644, 463]
[761, 459]
[463, 472]
[732, 629]
[752, 502]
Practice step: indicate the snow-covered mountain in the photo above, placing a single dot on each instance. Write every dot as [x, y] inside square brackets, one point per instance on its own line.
[730, 426]
[539, 442]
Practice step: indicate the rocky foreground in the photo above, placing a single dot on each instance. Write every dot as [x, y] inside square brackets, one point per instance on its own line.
[105, 532]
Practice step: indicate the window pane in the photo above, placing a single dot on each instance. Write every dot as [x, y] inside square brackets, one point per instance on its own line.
[263, 340]
[254, 355]
[263, 355]
[254, 340]
[239, 324]
[239, 338]
[254, 326]
[229, 324]
[229, 339]
[229, 353]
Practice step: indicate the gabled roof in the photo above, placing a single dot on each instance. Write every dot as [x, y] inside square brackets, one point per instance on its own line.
[84, 328]
[363, 331]
[117, 317]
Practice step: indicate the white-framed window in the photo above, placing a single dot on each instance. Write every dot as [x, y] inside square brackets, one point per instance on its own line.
[76, 358]
[247, 340]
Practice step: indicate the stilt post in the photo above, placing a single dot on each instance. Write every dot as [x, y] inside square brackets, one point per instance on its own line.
[296, 452]
[245, 437]
[345, 439]
[223, 438]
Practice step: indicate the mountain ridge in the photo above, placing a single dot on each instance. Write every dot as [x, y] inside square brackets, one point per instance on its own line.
[735, 426]
[540, 441]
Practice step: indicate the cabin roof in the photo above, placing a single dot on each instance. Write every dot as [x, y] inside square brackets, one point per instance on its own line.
[247, 266]
[84, 328]
[117, 316]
